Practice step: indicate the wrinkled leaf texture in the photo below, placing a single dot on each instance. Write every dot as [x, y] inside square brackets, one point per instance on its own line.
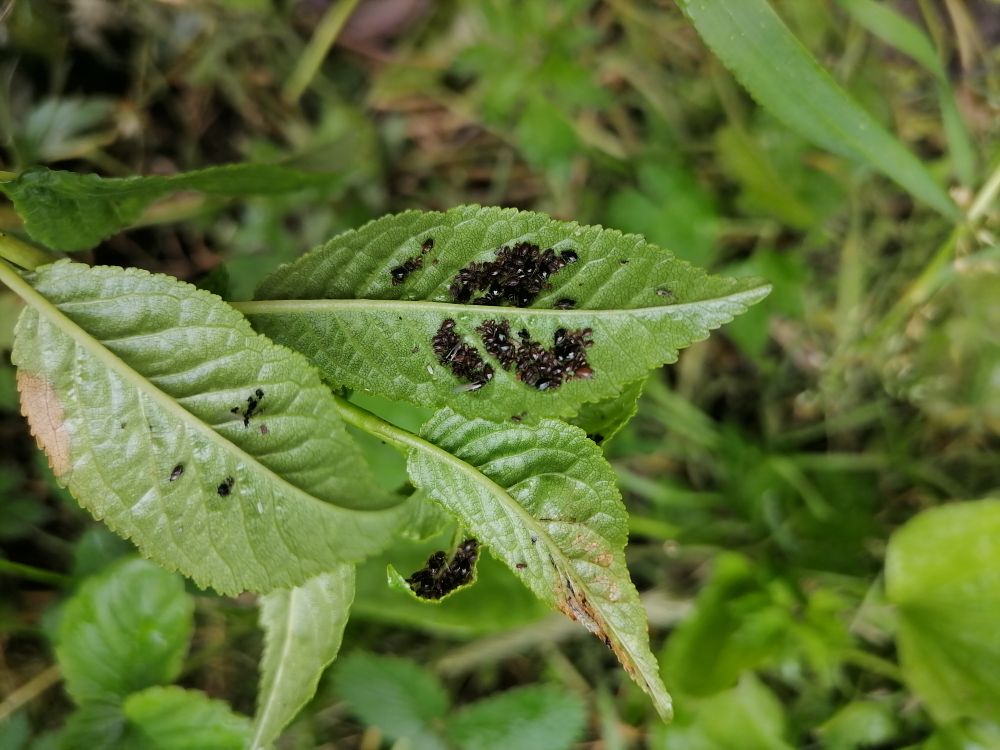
[339, 306]
[129, 381]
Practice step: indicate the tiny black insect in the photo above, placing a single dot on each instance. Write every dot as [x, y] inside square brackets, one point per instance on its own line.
[427, 245]
[176, 473]
[565, 303]
[226, 487]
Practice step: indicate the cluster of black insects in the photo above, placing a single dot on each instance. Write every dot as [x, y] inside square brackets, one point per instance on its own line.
[408, 266]
[253, 404]
[441, 576]
[535, 365]
[515, 277]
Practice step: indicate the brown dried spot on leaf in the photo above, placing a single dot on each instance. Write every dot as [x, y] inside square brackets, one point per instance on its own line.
[41, 407]
[535, 365]
[515, 277]
[440, 576]
[461, 358]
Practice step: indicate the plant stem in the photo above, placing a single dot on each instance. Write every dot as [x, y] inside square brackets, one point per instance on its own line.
[9, 567]
[29, 691]
[363, 419]
[22, 254]
[317, 49]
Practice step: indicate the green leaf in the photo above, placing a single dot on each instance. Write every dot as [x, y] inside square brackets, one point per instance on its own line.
[303, 629]
[602, 420]
[72, 211]
[895, 29]
[395, 695]
[141, 390]
[171, 718]
[735, 627]
[544, 500]
[780, 73]
[531, 718]
[943, 575]
[746, 717]
[124, 630]
[369, 306]
[93, 725]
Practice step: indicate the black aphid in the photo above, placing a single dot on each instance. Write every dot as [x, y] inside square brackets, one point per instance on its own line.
[461, 358]
[514, 277]
[176, 473]
[440, 576]
[399, 273]
[427, 245]
[565, 303]
[226, 487]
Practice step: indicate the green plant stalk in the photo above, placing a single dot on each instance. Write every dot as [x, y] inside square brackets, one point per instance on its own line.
[931, 277]
[22, 254]
[317, 49]
[30, 572]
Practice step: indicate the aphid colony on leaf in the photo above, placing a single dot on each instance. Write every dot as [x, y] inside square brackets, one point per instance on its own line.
[400, 273]
[516, 277]
[535, 365]
[441, 576]
[462, 359]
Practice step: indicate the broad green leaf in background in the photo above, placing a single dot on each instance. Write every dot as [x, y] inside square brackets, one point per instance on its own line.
[746, 717]
[895, 29]
[72, 211]
[861, 723]
[752, 41]
[735, 627]
[124, 630]
[171, 718]
[942, 572]
[395, 695]
[303, 628]
[539, 717]
[544, 500]
[368, 306]
[217, 452]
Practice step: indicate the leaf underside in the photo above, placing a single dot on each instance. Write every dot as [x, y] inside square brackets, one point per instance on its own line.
[544, 500]
[371, 309]
[303, 630]
[217, 452]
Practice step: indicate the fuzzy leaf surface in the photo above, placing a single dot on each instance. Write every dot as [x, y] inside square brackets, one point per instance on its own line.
[544, 500]
[345, 307]
[171, 718]
[942, 572]
[72, 211]
[124, 630]
[303, 629]
[130, 381]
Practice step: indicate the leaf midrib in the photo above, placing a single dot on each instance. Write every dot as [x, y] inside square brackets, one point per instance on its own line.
[403, 439]
[292, 306]
[50, 311]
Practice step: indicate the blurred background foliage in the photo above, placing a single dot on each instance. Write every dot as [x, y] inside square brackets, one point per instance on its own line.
[765, 472]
